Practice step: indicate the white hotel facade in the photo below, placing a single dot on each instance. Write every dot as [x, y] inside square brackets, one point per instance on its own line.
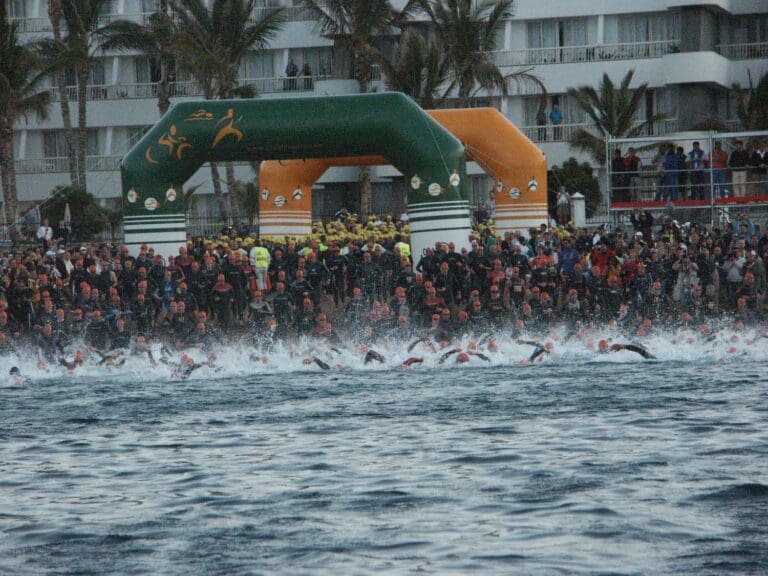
[689, 51]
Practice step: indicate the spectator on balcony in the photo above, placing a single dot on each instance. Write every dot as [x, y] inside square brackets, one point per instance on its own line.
[696, 168]
[306, 77]
[757, 170]
[556, 118]
[682, 174]
[718, 161]
[541, 122]
[292, 71]
[671, 174]
[632, 169]
[619, 183]
[738, 163]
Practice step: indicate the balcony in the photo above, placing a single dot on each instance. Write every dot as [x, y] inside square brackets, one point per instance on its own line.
[592, 53]
[564, 132]
[43, 24]
[743, 51]
[61, 165]
[188, 88]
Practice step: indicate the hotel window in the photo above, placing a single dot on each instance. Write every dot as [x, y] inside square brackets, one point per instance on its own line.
[258, 65]
[55, 144]
[18, 9]
[751, 29]
[637, 28]
[320, 60]
[553, 34]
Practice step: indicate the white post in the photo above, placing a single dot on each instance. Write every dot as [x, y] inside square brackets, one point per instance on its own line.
[579, 210]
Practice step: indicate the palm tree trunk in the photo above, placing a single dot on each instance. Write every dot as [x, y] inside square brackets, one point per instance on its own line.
[232, 189]
[363, 77]
[163, 89]
[8, 173]
[54, 15]
[218, 194]
[82, 124]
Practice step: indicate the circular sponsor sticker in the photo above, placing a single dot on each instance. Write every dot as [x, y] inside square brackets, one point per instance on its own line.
[514, 193]
[132, 195]
[499, 186]
[435, 189]
[170, 194]
[454, 179]
[533, 185]
[265, 194]
[298, 194]
[415, 182]
[150, 204]
[279, 201]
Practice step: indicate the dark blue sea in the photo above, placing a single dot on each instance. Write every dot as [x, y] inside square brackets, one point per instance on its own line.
[576, 467]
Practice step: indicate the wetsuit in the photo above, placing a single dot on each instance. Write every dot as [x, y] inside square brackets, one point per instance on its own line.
[373, 355]
[632, 348]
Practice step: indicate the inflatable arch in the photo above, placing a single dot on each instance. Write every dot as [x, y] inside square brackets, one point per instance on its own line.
[389, 125]
[517, 165]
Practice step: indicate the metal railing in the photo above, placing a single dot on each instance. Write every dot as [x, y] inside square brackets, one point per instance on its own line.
[61, 164]
[35, 25]
[43, 24]
[186, 88]
[564, 132]
[743, 51]
[589, 53]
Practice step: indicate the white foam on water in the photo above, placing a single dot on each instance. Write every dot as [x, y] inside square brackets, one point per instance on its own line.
[240, 360]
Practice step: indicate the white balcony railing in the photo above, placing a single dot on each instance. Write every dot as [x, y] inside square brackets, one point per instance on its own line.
[551, 133]
[591, 53]
[188, 88]
[61, 165]
[564, 132]
[743, 51]
[43, 24]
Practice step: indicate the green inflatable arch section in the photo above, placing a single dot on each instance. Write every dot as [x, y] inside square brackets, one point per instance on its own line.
[392, 125]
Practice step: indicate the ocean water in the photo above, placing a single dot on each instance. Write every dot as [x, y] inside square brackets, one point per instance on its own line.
[580, 464]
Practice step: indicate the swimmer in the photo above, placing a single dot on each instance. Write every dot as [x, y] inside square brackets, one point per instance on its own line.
[372, 355]
[74, 363]
[539, 348]
[316, 360]
[113, 358]
[425, 341]
[462, 356]
[411, 361]
[183, 370]
[605, 349]
[16, 377]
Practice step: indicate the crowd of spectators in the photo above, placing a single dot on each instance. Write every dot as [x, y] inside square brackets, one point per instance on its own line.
[680, 174]
[339, 282]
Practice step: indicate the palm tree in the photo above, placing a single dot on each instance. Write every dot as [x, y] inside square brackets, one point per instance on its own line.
[612, 110]
[752, 107]
[154, 39]
[358, 28]
[469, 30]
[60, 78]
[22, 71]
[78, 51]
[418, 67]
[211, 43]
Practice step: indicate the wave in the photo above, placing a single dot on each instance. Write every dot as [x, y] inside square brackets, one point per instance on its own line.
[502, 350]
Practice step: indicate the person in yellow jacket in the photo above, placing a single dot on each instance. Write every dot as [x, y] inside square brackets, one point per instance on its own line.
[405, 248]
[260, 259]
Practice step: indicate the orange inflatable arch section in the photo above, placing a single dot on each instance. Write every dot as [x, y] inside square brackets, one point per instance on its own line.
[517, 165]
